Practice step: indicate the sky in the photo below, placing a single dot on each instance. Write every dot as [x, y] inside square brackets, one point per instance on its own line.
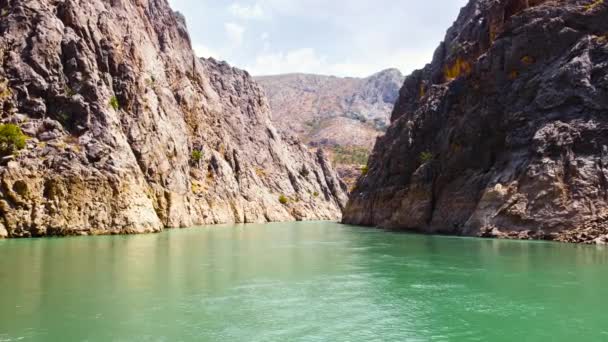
[330, 37]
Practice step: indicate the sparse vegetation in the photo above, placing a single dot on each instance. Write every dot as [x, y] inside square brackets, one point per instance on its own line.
[196, 156]
[283, 200]
[458, 68]
[426, 157]
[364, 170]
[528, 60]
[5, 91]
[260, 172]
[114, 103]
[197, 187]
[350, 155]
[69, 92]
[12, 139]
[590, 7]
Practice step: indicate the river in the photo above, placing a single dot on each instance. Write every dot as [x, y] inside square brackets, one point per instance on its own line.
[316, 281]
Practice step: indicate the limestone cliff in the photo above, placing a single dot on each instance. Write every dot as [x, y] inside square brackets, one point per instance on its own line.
[505, 133]
[129, 132]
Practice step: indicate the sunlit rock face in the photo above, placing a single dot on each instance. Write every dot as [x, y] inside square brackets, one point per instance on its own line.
[505, 133]
[130, 132]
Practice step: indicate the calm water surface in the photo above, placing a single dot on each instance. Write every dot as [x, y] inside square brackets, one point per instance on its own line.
[300, 282]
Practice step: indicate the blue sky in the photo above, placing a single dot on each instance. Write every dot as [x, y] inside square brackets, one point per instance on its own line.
[332, 37]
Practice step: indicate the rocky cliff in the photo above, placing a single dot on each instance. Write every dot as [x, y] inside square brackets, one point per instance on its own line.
[128, 132]
[342, 115]
[505, 133]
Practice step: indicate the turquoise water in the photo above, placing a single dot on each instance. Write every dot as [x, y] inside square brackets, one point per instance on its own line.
[300, 282]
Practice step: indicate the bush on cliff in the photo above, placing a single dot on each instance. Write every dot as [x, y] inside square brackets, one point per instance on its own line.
[196, 156]
[12, 139]
[426, 157]
[114, 103]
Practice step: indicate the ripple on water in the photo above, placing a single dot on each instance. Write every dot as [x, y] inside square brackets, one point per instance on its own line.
[300, 282]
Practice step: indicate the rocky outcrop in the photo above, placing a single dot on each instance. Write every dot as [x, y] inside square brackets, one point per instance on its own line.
[505, 133]
[129, 132]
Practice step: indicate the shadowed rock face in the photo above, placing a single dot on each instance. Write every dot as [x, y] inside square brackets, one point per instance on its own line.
[505, 133]
[129, 132]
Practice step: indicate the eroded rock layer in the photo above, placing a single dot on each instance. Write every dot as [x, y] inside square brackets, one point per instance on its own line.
[129, 132]
[505, 133]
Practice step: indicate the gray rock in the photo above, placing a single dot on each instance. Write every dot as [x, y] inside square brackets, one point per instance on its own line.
[512, 114]
[123, 101]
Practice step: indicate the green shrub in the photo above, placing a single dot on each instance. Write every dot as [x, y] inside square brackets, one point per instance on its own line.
[69, 92]
[12, 139]
[114, 103]
[350, 155]
[364, 170]
[283, 200]
[197, 155]
[426, 157]
[316, 194]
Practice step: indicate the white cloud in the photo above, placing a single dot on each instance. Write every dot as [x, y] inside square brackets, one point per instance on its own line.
[298, 60]
[307, 60]
[246, 12]
[319, 36]
[204, 51]
[235, 33]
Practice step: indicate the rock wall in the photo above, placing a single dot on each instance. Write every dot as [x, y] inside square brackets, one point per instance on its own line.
[129, 132]
[505, 133]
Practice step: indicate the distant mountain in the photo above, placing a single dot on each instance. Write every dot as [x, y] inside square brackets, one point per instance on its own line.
[343, 115]
[333, 111]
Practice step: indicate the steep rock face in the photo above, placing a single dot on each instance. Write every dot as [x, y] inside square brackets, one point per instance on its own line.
[505, 133]
[129, 132]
